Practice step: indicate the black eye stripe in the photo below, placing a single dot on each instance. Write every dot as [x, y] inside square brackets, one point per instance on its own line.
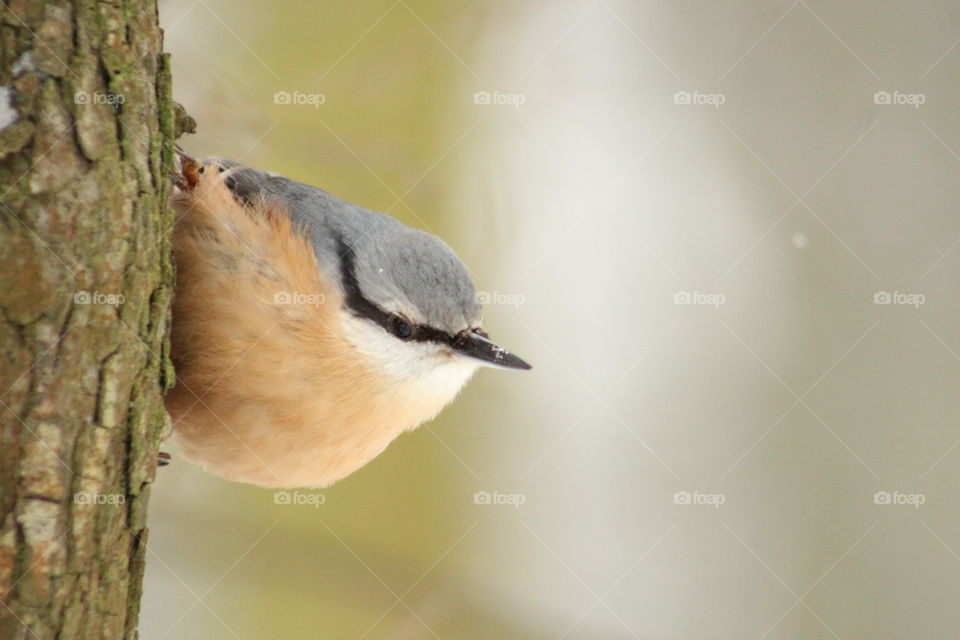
[362, 307]
[423, 333]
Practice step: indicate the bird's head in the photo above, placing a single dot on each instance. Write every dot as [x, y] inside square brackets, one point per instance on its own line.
[412, 308]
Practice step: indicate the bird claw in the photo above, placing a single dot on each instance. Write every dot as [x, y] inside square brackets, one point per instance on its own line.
[177, 180]
[163, 458]
[188, 171]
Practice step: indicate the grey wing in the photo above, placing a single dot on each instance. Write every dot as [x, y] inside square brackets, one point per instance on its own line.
[304, 203]
[325, 219]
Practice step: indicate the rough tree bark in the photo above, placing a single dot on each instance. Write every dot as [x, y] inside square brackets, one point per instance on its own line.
[86, 125]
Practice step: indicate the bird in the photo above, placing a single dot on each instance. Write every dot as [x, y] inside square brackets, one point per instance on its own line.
[307, 332]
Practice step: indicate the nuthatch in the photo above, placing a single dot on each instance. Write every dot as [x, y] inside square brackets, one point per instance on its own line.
[308, 332]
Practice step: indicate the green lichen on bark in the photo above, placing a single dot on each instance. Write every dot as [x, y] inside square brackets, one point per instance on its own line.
[85, 289]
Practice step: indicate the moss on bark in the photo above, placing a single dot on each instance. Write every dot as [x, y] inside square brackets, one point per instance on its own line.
[86, 125]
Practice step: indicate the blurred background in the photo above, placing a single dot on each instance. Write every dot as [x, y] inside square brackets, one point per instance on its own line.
[725, 235]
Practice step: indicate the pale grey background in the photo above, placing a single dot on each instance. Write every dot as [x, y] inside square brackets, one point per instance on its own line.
[592, 204]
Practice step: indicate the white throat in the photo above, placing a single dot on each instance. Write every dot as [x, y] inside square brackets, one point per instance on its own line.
[423, 368]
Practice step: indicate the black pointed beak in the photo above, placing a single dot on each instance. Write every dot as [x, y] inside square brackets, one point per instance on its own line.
[475, 344]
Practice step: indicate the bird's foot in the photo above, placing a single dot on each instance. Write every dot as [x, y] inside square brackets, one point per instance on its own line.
[188, 171]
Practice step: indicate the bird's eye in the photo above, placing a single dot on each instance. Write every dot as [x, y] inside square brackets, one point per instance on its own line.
[401, 328]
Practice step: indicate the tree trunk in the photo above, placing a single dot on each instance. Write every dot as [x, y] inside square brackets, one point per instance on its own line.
[86, 125]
